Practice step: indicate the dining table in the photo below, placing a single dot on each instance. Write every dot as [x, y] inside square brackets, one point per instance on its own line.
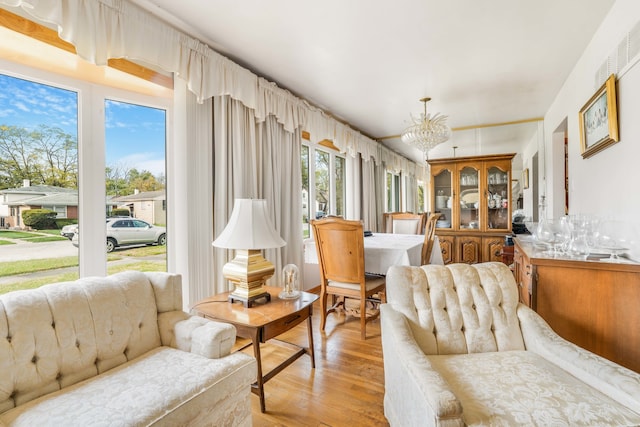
[382, 250]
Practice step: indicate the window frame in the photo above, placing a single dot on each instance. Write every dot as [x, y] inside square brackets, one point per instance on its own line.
[333, 154]
[92, 257]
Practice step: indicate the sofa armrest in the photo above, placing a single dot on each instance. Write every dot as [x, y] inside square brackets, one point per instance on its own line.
[196, 334]
[617, 382]
[415, 393]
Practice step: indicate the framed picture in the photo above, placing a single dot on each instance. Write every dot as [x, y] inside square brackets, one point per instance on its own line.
[599, 120]
[525, 178]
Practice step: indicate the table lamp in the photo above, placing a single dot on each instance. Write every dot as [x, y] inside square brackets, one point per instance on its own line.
[248, 231]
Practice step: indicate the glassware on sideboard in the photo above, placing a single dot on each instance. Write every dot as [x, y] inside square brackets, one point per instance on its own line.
[617, 238]
[584, 231]
[555, 233]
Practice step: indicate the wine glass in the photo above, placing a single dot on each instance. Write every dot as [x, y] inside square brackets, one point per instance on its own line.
[554, 232]
[583, 233]
[615, 237]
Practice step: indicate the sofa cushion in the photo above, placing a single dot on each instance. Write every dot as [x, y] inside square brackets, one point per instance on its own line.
[63, 333]
[162, 387]
[458, 308]
[522, 388]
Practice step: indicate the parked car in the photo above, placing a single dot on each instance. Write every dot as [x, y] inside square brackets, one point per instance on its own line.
[130, 231]
[68, 230]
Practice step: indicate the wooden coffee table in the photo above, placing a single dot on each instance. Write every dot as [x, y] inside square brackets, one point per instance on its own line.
[261, 323]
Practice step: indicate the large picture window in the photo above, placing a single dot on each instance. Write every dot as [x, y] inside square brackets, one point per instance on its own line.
[56, 133]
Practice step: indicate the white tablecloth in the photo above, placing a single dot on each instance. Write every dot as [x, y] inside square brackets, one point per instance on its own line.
[382, 250]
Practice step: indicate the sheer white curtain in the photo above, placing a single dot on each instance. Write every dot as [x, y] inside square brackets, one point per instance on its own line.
[412, 193]
[370, 204]
[354, 188]
[256, 160]
[281, 184]
[190, 195]
[380, 183]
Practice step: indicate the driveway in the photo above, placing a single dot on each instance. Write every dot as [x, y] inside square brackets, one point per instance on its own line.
[27, 250]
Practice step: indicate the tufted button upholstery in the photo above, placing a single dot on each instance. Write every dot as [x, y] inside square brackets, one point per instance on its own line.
[472, 307]
[115, 319]
[60, 345]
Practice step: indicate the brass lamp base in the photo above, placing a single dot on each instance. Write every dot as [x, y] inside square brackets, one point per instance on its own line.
[248, 302]
[248, 272]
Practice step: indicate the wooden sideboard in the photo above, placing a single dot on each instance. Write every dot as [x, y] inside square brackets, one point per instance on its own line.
[591, 303]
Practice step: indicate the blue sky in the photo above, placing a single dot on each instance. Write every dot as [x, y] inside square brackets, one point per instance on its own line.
[135, 135]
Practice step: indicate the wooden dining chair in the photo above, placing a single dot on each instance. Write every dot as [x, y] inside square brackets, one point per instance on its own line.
[340, 248]
[407, 223]
[387, 223]
[429, 238]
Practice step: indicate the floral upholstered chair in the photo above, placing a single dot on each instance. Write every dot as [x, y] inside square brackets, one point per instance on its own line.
[460, 350]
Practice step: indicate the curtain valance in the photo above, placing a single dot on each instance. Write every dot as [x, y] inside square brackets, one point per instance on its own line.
[104, 29]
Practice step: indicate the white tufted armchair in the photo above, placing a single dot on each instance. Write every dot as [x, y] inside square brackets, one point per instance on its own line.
[459, 349]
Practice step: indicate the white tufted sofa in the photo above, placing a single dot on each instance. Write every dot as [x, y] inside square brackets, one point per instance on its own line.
[460, 350]
[118, 351]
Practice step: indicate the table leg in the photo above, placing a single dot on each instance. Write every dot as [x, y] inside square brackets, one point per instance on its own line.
[310, 331]
[260, 380]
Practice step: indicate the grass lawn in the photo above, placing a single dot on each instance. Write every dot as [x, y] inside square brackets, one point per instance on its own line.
[33, 236]
[6, 242]
[45, 239]
[52, 232]
[143, 251]
[64, 277]
[5, 234]
[33, 265]
[39, 265]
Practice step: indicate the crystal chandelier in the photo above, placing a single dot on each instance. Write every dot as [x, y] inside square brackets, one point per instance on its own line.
[427, 131]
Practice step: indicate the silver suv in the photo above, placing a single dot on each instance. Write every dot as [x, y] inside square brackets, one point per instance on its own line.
[130, 231]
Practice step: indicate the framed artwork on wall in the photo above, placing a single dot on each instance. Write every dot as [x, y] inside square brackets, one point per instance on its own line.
[599, 119]
[525, 178]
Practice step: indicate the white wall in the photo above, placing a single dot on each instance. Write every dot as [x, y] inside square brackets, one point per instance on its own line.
[607, 183]
[535, 145]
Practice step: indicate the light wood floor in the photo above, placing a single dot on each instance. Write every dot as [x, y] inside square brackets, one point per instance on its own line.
[345, 389]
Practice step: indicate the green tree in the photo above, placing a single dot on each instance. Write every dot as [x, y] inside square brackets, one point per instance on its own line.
[122, 180]
[45, 156]
[143, 181]
[116, 180]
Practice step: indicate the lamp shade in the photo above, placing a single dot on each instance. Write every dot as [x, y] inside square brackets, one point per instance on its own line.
[249, 227]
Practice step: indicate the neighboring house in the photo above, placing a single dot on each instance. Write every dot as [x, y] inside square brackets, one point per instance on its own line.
[14, 201]
[150, 206]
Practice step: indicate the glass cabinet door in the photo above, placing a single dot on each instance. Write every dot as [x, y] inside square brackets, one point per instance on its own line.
[443, 197]
[498, 199]
[469, 191]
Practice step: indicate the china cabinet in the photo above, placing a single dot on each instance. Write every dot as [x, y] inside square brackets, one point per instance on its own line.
[473, 196]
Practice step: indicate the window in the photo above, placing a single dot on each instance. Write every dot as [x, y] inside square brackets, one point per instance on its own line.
[305, 190]
[340, 185]
[61, 211]
[322, 187]
[135, 146]
[323, 184]
[393, 192]
[421, 197]
[38, 169]
[78, 118]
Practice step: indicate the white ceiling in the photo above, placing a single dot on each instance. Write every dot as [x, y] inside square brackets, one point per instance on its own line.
[368, 62]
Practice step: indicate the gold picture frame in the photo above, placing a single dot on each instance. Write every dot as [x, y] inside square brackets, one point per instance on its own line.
[599, 120]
